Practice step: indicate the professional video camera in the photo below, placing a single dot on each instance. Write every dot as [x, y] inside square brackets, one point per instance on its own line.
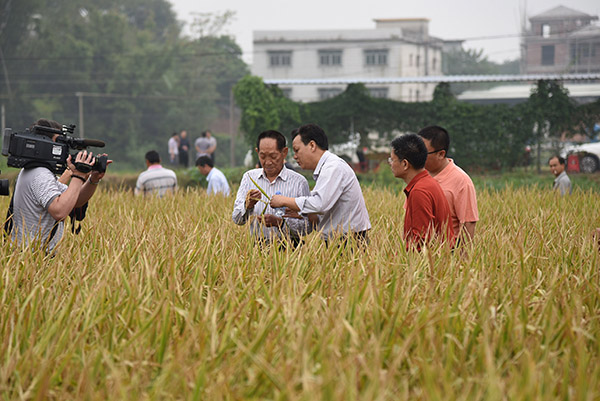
[35, 148]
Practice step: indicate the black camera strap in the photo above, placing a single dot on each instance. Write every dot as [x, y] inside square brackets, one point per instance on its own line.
[8, 223]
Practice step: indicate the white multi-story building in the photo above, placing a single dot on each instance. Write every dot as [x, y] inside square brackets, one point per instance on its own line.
[395, 48]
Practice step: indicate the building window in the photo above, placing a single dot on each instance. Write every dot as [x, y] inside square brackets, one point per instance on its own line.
[545, 30]
[584, 50]
[418, 60]
[378, 92]
[548, 55]
[280, 59]
[328, 93]
[330, 57]
[434, 64]
[287, 92]
[376, 57]
[417, 95]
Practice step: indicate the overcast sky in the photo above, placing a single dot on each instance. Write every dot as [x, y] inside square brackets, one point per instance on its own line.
[452, 19]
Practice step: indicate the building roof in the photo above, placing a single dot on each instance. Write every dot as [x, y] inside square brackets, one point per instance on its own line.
[523, 91]
[561, 12]
[588, 31]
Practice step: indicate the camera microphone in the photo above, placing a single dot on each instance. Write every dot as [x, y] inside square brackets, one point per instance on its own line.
[92, 142]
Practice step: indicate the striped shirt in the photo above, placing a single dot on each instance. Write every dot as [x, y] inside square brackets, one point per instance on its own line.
[217, 183]
[337, 197]
[35, 191]
[156, 180]
[288, 183]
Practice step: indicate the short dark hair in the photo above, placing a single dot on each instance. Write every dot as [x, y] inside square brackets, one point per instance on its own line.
[561, 160]
[412, 148]
[44, 122]
[174, 134]
[278, 136]
[437, 135]
[204, 160]
[312, 132]
[153, 157]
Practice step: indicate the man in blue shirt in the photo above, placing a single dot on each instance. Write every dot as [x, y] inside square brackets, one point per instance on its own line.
[217, 182]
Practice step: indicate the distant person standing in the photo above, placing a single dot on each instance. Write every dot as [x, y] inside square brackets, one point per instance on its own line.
[217, 182]
[206, 145]
[156, 180]
[184, 149]
[173, 148]
[562, 182]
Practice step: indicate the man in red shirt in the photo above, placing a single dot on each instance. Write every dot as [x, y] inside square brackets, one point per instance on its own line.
[427, 213]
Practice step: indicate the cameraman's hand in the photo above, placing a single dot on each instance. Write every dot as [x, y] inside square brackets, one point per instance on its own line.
[96, 176]
[82, 157]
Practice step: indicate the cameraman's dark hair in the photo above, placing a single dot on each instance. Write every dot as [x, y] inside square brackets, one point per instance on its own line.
[174, 134]
[278, 136]
[204, 160]
[312, 132]
[437, 135]
[44, 122]
[561, 160]
[153, 157]
[412, 148]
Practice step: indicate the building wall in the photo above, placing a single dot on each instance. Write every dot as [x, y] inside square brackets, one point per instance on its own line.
[573, 52]
[305, 63]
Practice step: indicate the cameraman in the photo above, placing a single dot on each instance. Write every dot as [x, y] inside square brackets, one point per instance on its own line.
[42, 202]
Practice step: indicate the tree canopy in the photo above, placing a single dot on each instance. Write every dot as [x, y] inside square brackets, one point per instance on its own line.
[140, 77]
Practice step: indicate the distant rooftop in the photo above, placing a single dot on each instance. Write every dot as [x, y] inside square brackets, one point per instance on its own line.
[561, 12]
[586, 32]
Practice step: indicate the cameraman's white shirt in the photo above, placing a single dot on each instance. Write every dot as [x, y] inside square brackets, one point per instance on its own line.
[35, 190]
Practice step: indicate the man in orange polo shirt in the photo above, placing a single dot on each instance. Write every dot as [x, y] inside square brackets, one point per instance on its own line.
[427, 213]
[455, 183]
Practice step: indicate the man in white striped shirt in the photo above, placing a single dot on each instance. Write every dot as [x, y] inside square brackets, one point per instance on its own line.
[251, 204]
[156, 180]
[337, 196]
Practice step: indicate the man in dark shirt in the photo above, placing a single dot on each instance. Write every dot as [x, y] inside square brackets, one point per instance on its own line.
[427, 211]
[184, 147]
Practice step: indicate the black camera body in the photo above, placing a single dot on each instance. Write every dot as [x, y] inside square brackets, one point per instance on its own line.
[35, 148]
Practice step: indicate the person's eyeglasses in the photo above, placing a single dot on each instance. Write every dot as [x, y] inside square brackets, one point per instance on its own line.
[435, 151]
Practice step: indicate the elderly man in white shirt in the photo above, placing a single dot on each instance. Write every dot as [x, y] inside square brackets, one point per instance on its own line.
[337, 195]
[267, 223]
[217, 182]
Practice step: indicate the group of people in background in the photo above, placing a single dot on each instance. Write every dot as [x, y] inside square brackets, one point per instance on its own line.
[159, 180]
[179, 147]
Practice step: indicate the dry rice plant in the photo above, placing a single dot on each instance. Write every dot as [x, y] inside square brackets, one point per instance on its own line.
[168, 299]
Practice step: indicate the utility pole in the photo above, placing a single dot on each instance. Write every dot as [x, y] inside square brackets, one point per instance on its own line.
[3, 118]
[231, 129]
[80, 98]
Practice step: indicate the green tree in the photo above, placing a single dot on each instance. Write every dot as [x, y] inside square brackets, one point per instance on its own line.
[551, 109]
[145, 79]
[259, 107]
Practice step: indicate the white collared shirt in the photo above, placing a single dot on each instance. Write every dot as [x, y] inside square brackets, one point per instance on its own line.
[289, 183]
[217, 183]
[337, 197]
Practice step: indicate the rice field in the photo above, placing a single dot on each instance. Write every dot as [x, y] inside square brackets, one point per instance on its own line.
[168, 299]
